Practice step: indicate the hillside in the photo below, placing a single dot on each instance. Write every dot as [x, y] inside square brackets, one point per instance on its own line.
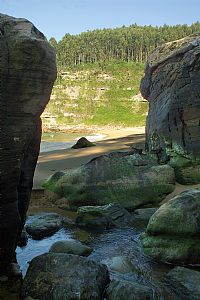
[99, 73]
[93, 94]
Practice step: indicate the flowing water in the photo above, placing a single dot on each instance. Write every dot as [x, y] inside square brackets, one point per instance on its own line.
[108, 244]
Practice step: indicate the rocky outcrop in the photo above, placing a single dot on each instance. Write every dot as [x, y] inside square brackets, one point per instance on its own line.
[27, 73]
[171, 85]
[122, 177]
[65, 276]
[83, 143]
[107, 216]
[172, 234]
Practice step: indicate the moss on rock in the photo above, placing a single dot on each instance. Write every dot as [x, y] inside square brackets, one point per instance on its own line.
[173, 231]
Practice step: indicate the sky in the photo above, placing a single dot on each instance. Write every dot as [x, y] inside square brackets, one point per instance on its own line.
[55, 18]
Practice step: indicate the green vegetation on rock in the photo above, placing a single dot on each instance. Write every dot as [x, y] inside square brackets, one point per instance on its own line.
[172, 234]
[130, 180]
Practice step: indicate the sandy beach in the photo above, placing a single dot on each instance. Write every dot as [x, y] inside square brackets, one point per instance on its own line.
[116, 139]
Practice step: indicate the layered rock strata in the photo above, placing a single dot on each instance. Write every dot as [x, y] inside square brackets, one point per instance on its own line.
[171, 85]
[27, 73]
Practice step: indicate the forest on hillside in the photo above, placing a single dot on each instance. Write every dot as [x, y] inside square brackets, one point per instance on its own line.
[133, 43]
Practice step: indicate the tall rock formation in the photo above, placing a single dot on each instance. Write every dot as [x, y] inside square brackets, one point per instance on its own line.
[27, 73]
[172, 86]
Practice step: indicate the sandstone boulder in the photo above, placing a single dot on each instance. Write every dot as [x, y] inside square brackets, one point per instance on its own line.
[107, 216]
[27, 74]
[44, 224]
[59, 276]
[172, 234]
[171, 85]
[128, 179]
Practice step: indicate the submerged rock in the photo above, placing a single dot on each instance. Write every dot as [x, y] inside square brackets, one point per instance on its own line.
[128, 179]
[83, 143]
[171, 85]
[44, 224]
[63, 276]
[185, 283]
[71, 247]
[107, 216]
[27, 74]
[128, 290]
[119, 264]
[172, 234]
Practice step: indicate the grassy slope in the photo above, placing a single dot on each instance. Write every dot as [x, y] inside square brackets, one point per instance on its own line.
[94, 95]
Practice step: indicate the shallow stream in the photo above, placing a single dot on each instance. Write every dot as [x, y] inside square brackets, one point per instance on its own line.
[108, 244]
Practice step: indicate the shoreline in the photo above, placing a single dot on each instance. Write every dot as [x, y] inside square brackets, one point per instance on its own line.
[116, 139]
[86, 128]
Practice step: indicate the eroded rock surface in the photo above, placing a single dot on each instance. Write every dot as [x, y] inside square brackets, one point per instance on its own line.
[128, 290]
[131, 180]
[64, 276]
[172, 234]
[44, 224]
[107, 216]
[171, 85]
[185, 283]
[27, 73]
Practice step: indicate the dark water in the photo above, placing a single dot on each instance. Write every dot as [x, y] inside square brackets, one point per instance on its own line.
[108, 244]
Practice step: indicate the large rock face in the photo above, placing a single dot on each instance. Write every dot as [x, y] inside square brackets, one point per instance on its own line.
[128, 179]
[172, 234]
[27, 73]
[171, 85]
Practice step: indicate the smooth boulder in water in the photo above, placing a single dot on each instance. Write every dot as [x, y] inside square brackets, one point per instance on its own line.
[44, 224]
[172, 234]
[107, 216]
[64, 276]
[71, 247]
